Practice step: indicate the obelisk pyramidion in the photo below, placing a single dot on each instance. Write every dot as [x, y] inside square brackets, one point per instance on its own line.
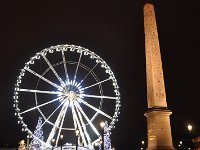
[158, 121]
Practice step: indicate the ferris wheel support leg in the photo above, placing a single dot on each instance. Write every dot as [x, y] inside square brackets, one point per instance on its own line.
[58, 120]
[79, 126]
[83, 125]
[88, 120]
[63, 118]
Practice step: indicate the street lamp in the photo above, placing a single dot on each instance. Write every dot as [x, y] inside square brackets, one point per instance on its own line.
[77, 135]
[142, 142]
[52, 143]
[61, 141]
[102, 125]
[27, 142]
[189, 127]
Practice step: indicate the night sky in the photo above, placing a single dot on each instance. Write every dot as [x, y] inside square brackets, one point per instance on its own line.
[113, 29]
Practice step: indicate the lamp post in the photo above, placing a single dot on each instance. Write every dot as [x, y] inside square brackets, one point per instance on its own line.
[142, 142]
[189, 127]
[102, 125]
[77, 135]
[52, 143]
[27, 142]
[61, 141]
[180, 145]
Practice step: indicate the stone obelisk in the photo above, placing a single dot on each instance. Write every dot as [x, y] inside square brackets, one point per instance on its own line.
[158, 121]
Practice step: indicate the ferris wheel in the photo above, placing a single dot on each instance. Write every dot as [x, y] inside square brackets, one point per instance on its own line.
[71, 88]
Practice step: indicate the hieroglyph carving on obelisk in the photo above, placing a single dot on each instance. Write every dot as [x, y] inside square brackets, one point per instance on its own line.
[158, 121]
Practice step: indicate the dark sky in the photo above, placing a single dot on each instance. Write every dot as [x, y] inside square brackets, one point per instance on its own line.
[112, 29]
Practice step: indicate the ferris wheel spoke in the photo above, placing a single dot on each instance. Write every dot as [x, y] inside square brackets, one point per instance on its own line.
[83, 125]
[88, 73]
[61, 124]
[77, 66]
[79, 126]
[43, 78]
[86, 117]
[47, 119]
[95, 84]
[40, 91]
[38, 106]
[53, 70]
[96, 109]
[65, 65]
[97, 96]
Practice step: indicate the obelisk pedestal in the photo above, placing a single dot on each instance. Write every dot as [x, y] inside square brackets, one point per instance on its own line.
[158, 121]
[159, 129]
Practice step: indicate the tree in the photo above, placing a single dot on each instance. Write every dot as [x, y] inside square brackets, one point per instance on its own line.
[107, 140]
[38, 135]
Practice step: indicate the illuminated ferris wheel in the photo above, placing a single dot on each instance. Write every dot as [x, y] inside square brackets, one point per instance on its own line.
[71, 88]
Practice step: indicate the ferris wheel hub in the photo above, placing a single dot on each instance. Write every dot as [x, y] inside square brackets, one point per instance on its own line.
[72, 95]
[72, 90]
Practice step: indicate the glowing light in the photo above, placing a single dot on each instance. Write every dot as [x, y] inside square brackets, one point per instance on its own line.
[53, 140]
[85, 52]
[142, 142]
[61, 136]
[102, 124]
[77, 132]
[189, 127]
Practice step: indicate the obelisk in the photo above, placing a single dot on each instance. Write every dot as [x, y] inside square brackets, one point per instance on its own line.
[158, 121]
